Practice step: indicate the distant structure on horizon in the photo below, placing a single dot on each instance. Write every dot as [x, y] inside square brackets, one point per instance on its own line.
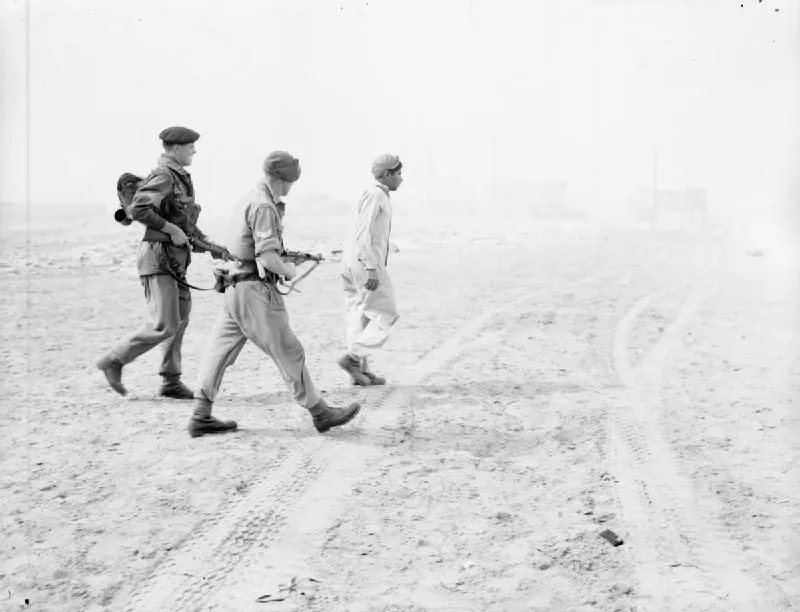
[659, 206]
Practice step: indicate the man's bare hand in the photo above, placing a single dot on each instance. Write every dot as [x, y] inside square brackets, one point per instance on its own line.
[372, 280]
[178, 237]
[176, 234]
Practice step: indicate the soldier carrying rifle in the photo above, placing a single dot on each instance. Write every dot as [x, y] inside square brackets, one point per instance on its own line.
[254, 308]
[164, 203]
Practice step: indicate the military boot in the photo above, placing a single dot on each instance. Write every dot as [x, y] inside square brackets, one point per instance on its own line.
[174, 388]
[112, 368]
[352, 366]
[326, 416]
[203, 423]
[374, 379]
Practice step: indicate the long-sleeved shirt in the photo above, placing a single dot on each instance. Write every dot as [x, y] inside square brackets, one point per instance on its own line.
[166, 195]
[367, 240]
[153, 203]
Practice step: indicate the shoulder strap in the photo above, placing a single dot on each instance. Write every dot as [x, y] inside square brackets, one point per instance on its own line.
[173, 270]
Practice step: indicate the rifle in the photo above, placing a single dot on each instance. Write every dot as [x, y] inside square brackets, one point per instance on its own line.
[299, 257]
[217, 251]
[201, 245]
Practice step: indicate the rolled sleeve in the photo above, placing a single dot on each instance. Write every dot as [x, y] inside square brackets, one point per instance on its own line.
[266, 236]
[146, 204]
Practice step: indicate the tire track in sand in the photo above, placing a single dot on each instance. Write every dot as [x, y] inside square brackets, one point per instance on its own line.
[200, 571]
[263, 539]
[685, 557]
[308, 529]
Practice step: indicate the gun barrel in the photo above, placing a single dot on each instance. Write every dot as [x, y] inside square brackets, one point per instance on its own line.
[302, 256]
[213, 248]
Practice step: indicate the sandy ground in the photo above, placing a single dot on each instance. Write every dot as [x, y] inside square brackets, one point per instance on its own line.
[547, 383]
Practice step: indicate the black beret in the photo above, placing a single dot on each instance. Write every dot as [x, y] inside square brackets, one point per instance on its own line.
[178, 135]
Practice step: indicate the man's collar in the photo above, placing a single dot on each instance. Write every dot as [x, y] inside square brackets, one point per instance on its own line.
[269, 197]
[382, 186]
[166, 160]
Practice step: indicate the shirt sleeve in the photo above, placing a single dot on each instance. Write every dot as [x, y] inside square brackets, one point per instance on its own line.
[265, 230]
[196, 210]
[367, 240]
[146, 205]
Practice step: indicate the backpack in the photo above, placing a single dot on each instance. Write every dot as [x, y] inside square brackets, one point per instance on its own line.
[127, 184]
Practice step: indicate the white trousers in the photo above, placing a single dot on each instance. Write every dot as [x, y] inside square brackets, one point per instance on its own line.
[371, 315]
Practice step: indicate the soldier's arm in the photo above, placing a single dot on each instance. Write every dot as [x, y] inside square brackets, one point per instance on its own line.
[193, 217]
[196, 233]
[146, 204]
[264, 225]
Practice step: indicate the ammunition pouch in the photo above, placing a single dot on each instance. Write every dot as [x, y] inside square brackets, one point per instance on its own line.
[222, 280]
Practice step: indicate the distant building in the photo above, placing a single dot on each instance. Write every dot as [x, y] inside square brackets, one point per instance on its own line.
[669, 206]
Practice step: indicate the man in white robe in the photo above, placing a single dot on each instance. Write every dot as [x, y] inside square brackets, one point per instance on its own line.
[369, 295]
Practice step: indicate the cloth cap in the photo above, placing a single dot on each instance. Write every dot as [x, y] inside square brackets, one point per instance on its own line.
[178, 135]
[283, 166]
[384, 162]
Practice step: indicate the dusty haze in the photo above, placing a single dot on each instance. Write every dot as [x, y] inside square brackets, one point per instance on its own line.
[561, 367]
[475, 96]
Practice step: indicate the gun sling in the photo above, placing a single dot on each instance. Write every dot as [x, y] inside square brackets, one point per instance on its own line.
[170, 264]
[222, 279]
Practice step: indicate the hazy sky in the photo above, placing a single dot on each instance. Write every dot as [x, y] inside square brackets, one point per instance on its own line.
[468, 93]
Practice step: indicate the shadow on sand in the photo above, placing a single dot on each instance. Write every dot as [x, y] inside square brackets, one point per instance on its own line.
[452, 430]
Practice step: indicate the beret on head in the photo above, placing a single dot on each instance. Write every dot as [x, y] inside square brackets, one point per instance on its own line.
[282, 166]
[178, 135]
[384, 162]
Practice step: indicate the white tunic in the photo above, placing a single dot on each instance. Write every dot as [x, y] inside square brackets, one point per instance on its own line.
[367, 240]
[367, 248]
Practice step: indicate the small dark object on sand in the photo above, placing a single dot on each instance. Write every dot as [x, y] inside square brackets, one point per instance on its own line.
[611, 537]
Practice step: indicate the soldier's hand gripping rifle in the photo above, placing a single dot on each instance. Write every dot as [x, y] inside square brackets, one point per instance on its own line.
[299, 257]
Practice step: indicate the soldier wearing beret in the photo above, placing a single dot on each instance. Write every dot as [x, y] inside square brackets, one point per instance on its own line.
[371, 310]
[254, 309]
[165, 205]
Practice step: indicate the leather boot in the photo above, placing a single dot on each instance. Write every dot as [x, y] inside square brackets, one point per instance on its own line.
[112, 368]
[326, 416]
[174, 388]
[203, 423]
[352, 366]
[374, 379]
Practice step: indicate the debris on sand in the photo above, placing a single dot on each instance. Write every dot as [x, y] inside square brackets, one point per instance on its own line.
[612, 537]
[285, 591]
